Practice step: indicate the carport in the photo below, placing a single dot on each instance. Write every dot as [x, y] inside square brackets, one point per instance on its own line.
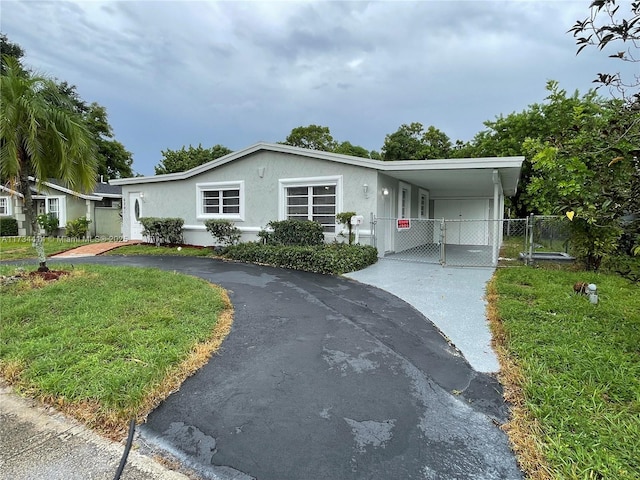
[459, 214]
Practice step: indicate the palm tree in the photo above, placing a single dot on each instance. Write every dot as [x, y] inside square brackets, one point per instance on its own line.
[41, 136]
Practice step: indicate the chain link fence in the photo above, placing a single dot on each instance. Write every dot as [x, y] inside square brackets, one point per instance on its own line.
[468, 243]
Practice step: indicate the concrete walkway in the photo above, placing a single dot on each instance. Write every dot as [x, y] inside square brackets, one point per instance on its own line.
[93, 249]
[451, 297]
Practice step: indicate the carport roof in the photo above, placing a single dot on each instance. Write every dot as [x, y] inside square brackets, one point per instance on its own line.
[442, 177]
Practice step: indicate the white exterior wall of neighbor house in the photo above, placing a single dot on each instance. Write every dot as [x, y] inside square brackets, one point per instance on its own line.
[262, 176]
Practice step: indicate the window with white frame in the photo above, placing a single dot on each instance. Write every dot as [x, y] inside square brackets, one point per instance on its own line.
[56, 206]
[5, 206]
[315, 199]
[404, 200]
[220, 200]
[423, 203]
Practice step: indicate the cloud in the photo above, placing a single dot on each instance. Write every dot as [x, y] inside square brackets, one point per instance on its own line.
[173, 73]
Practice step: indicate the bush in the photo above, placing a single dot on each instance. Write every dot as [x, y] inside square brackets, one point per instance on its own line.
[49, 222]
[162, 230]
[345, 219]
[293, 232]
[8, 227]
[223, 231]
[335, 258]
[77, 228]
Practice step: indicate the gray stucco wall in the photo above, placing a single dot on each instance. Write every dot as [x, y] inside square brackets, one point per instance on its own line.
[261, 173]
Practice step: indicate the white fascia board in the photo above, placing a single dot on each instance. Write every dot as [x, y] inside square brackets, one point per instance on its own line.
[10, 191]
[334, 157]
[452, 164]
[381, 165]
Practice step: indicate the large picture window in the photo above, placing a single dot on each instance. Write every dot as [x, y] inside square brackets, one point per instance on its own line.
[316, 199]
[221, 200]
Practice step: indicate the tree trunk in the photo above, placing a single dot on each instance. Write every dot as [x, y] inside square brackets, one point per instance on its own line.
[30, 213]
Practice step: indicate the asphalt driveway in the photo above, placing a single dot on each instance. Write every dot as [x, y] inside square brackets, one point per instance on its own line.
[323, 377]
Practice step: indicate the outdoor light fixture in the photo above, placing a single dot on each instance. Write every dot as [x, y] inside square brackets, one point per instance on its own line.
[365, 189]
[385, 191]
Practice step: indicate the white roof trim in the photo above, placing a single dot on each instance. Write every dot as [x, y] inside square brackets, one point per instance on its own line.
[11, 191]
[68, 191]
[380, 165]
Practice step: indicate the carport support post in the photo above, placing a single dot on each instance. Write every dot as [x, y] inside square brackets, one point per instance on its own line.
[497, 187]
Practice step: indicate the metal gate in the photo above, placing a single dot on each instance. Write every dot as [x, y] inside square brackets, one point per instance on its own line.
[466, 243]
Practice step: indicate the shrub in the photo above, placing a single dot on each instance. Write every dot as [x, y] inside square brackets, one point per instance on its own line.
[335, 258]
[223, 231]
[77, 228]
[49, 222]
[162, 230]
[8, 227]
[293, 232]
[345, 219]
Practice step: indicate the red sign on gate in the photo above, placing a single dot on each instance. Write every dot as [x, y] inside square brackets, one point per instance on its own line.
[404, 224]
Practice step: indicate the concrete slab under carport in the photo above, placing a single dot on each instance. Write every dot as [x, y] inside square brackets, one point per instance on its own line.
[453, 298]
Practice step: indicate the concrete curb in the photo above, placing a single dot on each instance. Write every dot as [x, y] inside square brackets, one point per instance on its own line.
[38, 442]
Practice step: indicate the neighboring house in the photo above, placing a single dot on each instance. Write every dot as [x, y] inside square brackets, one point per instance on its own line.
[102, 206]
[266, 182]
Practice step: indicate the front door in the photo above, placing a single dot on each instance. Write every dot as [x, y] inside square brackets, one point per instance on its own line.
[135, 212]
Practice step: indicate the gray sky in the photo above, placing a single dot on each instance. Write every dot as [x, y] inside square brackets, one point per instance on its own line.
[174, 73]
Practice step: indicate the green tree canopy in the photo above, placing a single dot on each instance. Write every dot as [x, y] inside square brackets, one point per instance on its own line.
[313, 137]
[412, 142]
[187, 158]
[41, 136]
[580, 170]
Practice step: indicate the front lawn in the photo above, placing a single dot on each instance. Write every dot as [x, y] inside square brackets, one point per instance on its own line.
[571, 370]
[20, 248]
[105, 344]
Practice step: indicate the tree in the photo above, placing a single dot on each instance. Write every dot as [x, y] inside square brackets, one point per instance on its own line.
[573, 172]
[114, 161]
[412, 142]
[604, 27]
[347, 148]
[186, 159]
[40, 138]
[313, 137]
[9, 49]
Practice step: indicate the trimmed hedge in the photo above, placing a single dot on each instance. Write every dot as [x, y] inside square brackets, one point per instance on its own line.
[223, 231]
[334, 258]
[162, 230]
[8, 227]
[293, 232]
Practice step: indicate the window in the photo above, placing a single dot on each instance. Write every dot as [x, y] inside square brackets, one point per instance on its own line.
[5, 206]
[221, 200]
[404, 201]
[56, 205]
[423, 203]
[315, 199]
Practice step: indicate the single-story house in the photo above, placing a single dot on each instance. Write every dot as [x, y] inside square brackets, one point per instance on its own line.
[401, 202]
[102, 206]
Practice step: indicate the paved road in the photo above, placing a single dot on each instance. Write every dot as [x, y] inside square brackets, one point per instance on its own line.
[326, 378]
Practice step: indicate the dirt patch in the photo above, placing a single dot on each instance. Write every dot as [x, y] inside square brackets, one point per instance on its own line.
[35, 277]
[50, 275]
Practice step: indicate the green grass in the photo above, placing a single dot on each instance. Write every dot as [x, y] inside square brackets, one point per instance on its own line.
[581, 365]
[19, 248]
[103, 336]
[147, 249]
